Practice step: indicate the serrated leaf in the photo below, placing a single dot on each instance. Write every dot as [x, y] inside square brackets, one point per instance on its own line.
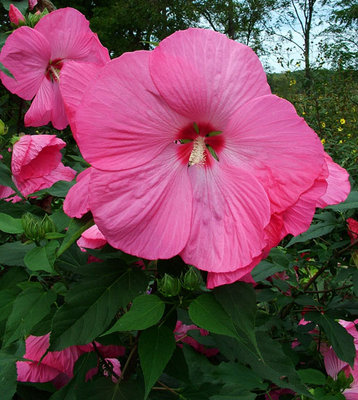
[312, 376]
[29, 308]
[13, 253]
[145, 312]
[92, 304]
[315, 231]
[208, 314]
[9, 224]
[155, 348]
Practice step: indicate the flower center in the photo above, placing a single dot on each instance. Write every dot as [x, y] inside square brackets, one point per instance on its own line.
[199, 144]
[53, 70]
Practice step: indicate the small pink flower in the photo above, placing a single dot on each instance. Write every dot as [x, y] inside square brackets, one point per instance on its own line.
[32, 4]
[35, 57]
[36, 163]
[191, 154]
[181, 336]
[57, 366]
[15, 15]
[352, 229]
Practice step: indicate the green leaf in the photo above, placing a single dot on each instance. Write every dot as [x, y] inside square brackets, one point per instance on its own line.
[239, 301]
[8, 375]
[42, 258]
[315, 231]
[312, 376]
[208, 314]
[9, 224]
[265, 269]
[13, 253]
[6, 71]
[58, 189]
[155, 348]
[92, 304]
[341, 341]
[145, 312]
[5, 176]
[29, 308]
[22, 5]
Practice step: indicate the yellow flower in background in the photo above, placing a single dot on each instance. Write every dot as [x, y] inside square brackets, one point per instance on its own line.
[323, 124]
[292, 82]
[342, 121]
[340, 129]
[349, 135]
[323, 141]
[303, 113]
[340, 142]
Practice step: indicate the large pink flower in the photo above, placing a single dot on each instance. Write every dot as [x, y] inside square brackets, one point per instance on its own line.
[191, 154]
[57, 366]
[35, 57]
[36, 163]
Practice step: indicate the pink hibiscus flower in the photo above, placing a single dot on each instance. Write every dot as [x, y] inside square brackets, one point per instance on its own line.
[191, 154]
[352, 229]
[334, 365]
[57, 366]
[36, 163]
[92, 238]
[35, 57]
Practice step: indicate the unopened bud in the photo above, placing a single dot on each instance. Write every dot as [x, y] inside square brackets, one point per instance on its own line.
[47, 225]
[32, 227]
[169, 286]
[192, 279]
[15, 16]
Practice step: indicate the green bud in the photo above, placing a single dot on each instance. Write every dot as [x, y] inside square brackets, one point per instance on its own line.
[47, 225]
[32, 227]
[192, 279]
[33, 19]
[3, 129]
[169, 286]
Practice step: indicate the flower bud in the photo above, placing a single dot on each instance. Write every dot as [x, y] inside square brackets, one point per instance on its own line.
[47, 225]
[32, 227]
[192, 279]
[169, 286]
[16, 16]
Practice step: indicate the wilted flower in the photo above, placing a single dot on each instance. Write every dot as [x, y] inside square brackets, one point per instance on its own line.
[191, 154]
[35, 57]
[36, 163]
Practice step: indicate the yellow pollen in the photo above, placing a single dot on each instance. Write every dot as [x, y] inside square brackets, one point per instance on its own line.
[198, 155]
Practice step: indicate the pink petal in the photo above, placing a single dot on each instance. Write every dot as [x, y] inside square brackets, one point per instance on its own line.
[36, 155]
[25, 54]
[15, 15]
[5, 192]
[34, 372]
[92, 238]
[70, 36]
[144, 211]
[123, 122]
[76, 203]
[352, 392]
[338, 184]
[267, 137]
[333, 364]
[75, 78]
[58, 114]
[110, 350]
[230, 212]
[32, 4]
[40, 111]
[205, 76]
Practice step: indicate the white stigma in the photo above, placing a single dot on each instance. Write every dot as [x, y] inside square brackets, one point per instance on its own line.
[198, 155]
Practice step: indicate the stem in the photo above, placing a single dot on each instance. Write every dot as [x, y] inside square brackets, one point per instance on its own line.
[131, 354]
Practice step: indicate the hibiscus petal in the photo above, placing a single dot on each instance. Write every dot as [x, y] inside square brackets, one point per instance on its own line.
[230, 212]
[123, 122]
[76, 203]
[70, 36]
[58, 115]
[40, 111]
[206, 76]
[144, 211]
[267, 137]
[75, 77]
[333, 364]
[26, 54]
[338, 184]
[92, 238]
